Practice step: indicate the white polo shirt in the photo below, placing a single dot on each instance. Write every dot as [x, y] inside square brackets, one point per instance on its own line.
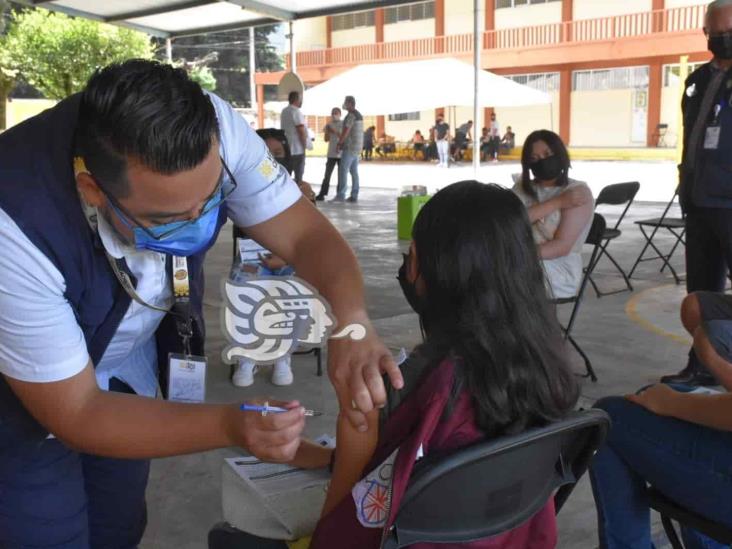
[40, 339]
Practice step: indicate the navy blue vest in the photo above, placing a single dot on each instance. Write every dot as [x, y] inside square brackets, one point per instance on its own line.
[38, 191]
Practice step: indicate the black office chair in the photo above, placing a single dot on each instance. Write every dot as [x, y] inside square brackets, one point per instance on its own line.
[615, 195]
[671, 511]
[676, 226]
[594, 238]
[317, 352]
[494, 486]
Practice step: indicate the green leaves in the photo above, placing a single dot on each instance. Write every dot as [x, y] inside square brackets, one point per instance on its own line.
[57, 54]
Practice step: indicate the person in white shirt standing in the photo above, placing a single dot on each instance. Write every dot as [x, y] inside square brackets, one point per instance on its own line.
[292, 123]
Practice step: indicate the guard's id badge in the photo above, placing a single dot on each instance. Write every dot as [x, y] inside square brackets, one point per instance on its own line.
[186, 378]
[711, 138]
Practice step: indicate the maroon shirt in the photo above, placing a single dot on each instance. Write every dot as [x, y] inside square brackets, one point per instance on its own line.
[419, 421]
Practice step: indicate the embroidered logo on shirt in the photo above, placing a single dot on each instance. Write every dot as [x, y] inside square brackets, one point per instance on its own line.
[269, 167]
[372, 495]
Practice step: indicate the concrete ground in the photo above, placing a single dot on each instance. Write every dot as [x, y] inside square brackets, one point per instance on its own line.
[631, 338]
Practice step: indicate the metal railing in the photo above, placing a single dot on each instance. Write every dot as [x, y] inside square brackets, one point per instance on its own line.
[673, 20]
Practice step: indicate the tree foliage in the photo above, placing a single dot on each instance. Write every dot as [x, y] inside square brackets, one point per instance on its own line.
[204, 76]
[57, 54]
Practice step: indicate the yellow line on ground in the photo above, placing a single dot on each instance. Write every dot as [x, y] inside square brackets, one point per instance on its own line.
[631, 309]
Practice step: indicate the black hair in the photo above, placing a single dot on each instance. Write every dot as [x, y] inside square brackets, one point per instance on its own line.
[335, 110]
[555, 143]
[293, 96]
[278, 135]
[486, 307]
[147, 110]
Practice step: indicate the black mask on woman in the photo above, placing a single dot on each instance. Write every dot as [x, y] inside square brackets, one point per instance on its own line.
[721, 45]
[409, 289]
[547, 169]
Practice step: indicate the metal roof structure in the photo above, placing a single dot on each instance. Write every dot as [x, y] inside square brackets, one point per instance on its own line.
[173, 18]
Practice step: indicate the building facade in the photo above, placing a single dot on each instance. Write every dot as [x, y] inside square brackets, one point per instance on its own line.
[611, 66]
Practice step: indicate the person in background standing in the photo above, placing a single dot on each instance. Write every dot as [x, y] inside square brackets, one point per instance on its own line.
[705, 190]
[350, 145]
[368, 143]
[494, 132]
[292, 122]
[332, 133]
[441, 131]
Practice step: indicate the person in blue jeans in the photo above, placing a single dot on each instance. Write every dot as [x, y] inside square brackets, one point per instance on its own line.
[350, 145]
[675, 440]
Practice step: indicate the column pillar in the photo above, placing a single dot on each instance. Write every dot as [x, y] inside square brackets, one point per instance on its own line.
[260, 105]
[654, 100]
[565, 105]
[439, 26]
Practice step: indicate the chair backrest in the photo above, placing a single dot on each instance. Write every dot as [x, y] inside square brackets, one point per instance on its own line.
[617, 194]
[660, 127]
[494, 486]
[594, 237]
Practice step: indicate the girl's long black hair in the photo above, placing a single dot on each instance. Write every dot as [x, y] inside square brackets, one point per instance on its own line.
[486, 307]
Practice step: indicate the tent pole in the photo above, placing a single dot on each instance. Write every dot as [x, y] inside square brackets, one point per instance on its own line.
[476, 85]
[252, 69]
[169, 50]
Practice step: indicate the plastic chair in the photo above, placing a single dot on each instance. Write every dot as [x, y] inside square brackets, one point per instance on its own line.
[676, 226]
[594, 238]
[671, 511]
[494, 486]
[615, 195]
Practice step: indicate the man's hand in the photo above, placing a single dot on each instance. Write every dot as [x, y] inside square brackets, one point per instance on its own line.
[355, 368]
[273, 437]
[573, 198]
[658, 399]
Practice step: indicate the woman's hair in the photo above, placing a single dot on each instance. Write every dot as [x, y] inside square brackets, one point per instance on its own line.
[555, 143]
[486, 307]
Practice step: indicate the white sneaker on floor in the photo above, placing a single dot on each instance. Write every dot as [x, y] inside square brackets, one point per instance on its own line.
[244, 373]
[282, 373]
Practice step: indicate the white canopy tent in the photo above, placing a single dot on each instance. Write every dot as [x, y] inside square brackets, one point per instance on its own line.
[390, 88]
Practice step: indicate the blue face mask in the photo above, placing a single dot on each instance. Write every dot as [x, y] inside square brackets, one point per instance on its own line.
[179, 238]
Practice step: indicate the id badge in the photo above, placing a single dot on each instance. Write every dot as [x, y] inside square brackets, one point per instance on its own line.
[186, 378]
[711, 138]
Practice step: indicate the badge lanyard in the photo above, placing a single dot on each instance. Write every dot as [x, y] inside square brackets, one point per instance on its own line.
[181, 308]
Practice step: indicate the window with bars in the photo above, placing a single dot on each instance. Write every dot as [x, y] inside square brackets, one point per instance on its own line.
[354, 20]
[543, 81]
[404, 116]
[409, 12]
[514, 3]
[621, 78]
[671, 73]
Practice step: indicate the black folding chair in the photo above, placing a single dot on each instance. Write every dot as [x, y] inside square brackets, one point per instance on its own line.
[595, 239]
[676, 226]
[615, 195]
[494, 486]
[670, 511]
[316, 351]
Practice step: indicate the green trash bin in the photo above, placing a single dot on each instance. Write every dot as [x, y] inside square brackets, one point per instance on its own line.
[407, 209]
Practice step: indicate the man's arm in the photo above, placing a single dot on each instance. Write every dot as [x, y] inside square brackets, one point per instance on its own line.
[118, 425]
[306, 239]
[344, 134]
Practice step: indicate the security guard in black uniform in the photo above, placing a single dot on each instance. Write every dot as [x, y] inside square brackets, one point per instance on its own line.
[706, 172]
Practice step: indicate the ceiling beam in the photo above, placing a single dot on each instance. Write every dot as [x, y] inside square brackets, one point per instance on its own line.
[348, 8]
[135, 14]
[263, 8]
[223, 28]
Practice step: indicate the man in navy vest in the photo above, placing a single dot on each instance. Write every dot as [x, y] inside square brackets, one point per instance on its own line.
[99, 196]
[705, 188]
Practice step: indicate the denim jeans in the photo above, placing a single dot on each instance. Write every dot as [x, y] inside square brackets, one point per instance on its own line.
[688, 463]
[348, 164]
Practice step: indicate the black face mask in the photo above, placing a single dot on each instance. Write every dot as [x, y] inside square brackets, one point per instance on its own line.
[547, 169]
[721, 45]
[409, 289]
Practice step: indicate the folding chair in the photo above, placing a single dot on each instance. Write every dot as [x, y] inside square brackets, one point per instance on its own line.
[674, 225]
[615, 195]
[316, 351]
[670, 511]
[494, 486]
[594, 238]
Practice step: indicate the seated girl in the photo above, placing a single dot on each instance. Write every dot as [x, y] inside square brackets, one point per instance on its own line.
[560, 210]
[492, 364]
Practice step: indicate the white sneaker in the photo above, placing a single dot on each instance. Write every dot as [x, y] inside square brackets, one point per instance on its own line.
[282, 373]
[244, 373]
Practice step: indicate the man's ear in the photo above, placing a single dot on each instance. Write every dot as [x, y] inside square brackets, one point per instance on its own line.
[89, 190]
